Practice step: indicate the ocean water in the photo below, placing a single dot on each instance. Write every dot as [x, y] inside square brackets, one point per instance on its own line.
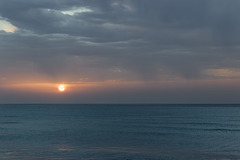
[120, 132]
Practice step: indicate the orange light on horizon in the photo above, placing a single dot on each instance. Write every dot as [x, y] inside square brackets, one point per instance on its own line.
[61, 88]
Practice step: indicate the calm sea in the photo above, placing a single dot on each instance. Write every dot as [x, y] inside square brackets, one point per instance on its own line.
[120, 132]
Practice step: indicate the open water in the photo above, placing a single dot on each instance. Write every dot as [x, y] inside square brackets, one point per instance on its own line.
[120, 132]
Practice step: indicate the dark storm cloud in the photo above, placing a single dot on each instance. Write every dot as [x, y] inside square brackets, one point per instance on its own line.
[146, 40]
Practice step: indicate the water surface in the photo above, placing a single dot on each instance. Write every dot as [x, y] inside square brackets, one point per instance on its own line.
[120, 132]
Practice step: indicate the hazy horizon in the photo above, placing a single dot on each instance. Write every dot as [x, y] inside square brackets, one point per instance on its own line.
[120, 51]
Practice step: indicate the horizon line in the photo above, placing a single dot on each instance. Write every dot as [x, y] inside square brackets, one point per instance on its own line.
[119, 103]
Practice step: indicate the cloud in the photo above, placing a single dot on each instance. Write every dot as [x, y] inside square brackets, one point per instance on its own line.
[7, 26]
[131, 50]
[144, 40]
[74, 11]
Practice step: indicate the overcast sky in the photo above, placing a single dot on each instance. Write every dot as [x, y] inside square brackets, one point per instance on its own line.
[120, 51]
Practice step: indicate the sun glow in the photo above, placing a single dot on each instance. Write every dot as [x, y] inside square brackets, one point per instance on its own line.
[61, 88]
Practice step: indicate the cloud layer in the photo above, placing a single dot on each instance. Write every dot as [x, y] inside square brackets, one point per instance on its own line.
[119, 40]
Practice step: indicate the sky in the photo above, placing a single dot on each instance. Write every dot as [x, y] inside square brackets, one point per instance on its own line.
[120, 51]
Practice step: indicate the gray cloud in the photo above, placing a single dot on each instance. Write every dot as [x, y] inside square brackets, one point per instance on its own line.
[131, 40]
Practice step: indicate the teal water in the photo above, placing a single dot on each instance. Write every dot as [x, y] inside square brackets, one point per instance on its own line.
[120, 132]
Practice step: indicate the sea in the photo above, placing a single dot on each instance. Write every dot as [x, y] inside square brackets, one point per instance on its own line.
[119, 132]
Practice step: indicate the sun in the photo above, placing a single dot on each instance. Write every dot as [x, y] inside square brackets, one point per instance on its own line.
[61, 88]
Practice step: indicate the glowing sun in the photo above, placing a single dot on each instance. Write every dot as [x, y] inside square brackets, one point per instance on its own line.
[61, 88]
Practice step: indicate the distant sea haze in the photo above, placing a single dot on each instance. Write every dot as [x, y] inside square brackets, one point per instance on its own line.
[120, 132]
